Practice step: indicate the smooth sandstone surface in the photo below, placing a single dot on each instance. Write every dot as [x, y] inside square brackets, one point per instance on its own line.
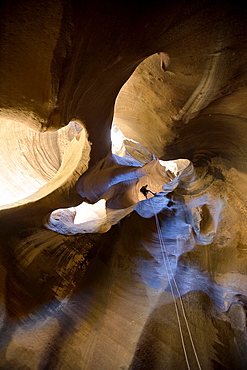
[94, 275]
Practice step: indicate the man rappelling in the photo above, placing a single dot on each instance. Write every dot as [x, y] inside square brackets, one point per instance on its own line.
[144, 190]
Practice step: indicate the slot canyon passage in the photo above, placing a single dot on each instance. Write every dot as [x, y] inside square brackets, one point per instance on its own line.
[99, 99]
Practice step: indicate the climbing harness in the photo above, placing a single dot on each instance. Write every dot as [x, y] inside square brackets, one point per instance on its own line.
[170, 273]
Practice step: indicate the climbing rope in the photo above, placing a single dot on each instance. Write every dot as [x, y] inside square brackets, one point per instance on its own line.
[170, 273]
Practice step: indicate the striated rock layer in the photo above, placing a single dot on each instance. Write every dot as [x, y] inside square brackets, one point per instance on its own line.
[93, 274]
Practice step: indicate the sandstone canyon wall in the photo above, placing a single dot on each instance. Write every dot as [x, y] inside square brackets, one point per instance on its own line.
[93, 274]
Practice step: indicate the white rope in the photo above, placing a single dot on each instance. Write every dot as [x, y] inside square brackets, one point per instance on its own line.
[175, 302]
[174, 299]
[166, 260]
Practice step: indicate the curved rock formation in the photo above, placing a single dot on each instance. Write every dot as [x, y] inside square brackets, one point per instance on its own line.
[94, 274]
[30, 159]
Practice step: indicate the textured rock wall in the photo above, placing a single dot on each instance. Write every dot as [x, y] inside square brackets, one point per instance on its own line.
[30, 159]
[158, 282]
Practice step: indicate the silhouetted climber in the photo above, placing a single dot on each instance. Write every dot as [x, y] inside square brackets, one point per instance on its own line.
[145, 191]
